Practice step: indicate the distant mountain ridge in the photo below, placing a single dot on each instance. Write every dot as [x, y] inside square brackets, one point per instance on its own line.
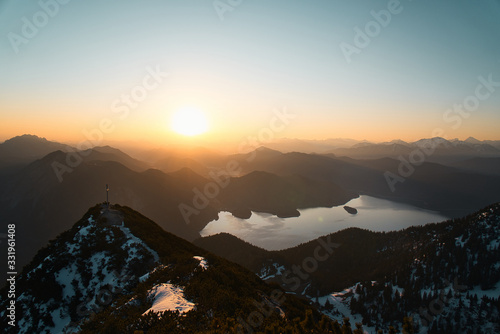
[34, 193]
[21, 150]
[281, 196]
[443, 151]
[345, 146]
[107, 153]
[490, 166]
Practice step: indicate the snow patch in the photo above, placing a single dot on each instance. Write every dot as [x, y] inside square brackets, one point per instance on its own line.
[203, 262]
[271, 271]
[340, 302]
[64, 277]
[60, 320]
[168, 297]
[491, 293]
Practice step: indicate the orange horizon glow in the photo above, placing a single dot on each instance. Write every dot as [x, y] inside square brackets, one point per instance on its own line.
[227, 140]
[151, 126]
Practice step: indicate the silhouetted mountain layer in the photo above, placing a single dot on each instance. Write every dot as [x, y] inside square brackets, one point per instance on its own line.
[107, 153]
[183, 202]
[448, 190]
[21, 150]
[282, 196]
[442, 150]
[488, 166]
[42, 207]
[451, 191]
[40, 197]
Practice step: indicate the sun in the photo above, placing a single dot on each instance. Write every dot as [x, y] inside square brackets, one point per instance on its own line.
[189, 121]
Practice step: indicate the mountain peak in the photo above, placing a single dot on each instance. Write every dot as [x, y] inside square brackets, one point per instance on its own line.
[472, 140]
[433, 141]
[398, 141]
[26, 137]
[266, 150]
[26, 148]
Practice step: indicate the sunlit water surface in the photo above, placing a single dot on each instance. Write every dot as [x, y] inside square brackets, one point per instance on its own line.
[273, 233]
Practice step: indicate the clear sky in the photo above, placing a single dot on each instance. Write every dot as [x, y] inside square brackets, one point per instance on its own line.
[66, 68]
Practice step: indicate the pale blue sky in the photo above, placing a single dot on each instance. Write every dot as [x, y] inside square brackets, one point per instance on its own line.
[264, 54]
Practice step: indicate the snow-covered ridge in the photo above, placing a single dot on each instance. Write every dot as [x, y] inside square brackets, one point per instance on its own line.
[91, 268]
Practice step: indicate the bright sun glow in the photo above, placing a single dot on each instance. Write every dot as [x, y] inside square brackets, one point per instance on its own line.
[189, 121]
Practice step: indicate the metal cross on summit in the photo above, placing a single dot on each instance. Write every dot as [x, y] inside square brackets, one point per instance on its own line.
[107, 197]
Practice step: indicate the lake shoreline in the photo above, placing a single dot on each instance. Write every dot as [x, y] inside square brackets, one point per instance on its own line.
[272, 233]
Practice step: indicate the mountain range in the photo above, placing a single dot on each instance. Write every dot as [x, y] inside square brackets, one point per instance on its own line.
[117, 271]
[46, 191]
[444, 151]
[366, 149]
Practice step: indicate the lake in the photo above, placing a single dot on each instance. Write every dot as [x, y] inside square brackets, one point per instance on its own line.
[273, 233]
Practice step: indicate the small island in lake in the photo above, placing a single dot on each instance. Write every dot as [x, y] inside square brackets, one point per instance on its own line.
[351, 210]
